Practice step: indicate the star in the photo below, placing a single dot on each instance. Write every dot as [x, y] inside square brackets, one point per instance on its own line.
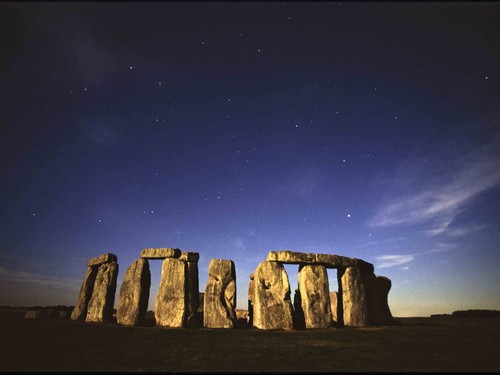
[131, 67]
[349, 215]
[486, 77]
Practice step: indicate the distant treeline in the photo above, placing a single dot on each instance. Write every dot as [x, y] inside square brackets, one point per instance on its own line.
[470, 314]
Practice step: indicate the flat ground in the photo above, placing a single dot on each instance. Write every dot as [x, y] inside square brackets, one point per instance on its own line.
[418, 344]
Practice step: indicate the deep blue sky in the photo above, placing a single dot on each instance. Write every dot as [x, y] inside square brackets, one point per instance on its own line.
[232, 129]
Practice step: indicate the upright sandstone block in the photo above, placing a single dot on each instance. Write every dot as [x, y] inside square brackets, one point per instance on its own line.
[220, 295]
[334, 306]
[81, 306]
[315, 298]
[382, 311]
[100, 308]
[251, 291]
[299, 321]
[171, 300]
[160, 253]
[353, 298]
[192, 288]
[272, 308]
[134, 294]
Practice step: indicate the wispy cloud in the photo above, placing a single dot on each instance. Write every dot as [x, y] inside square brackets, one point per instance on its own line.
[33, 278]
[436, 200]
[386, 261]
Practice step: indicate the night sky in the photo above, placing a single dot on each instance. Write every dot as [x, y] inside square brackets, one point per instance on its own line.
[232, 129]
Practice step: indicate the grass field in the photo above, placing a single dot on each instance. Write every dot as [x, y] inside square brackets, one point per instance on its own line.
[418, 344]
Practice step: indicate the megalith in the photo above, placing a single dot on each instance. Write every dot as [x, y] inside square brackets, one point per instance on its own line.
[314, 294]
[353, 298]
[134, 294]
[100, 307]
[220, 295]
[81, 306]
[272, 307]
[381, 306]
[160, 253]
[299, 321]
[171, 300]
[334, 306]
[192, 288]
[251, 291]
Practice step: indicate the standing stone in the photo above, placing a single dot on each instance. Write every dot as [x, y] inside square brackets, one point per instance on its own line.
[382, 312]
[192, 288]
[353, 298]
[299, 321]
[251, 291]
[315, 297]
[272, 308]
[171, 300]
[81, 306]
[134, 294]
[220, 295]
[100, 308]
[334, 305]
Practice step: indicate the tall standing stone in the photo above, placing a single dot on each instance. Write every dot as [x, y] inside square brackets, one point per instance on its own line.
[220, 295]
[100, 308]
[299, 321]
[315, 298]
[382, 312]
[81, 306]
[334, 305]
[192, 288]
[134, 294]
[251, 291]
[353, 298]
[171, 300]
[272, 308]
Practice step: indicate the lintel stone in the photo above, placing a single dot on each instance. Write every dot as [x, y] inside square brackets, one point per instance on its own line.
[160, 253]
[326, 260]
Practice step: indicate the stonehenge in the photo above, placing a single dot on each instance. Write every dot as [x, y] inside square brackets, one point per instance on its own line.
[314, 296]
[171, 300]
[219, 301]
[272, 307]
[97, 293]
[100, 307]
[134, 294]
[361, 299]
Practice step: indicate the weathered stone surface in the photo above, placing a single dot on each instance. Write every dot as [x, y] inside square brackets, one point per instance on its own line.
[291, 257]
[272, 308]
[299, 321]
[171, 301]
[160, 253]
[251, 291]
[315, 298]
[382, 312]
[101, 259]
[220, 295]
[100, 308]
[326, 260]
[353, 298]
[242, 319]
[134, 294]
[81, 306]
[189, 256]
[63, 314]
[192, 288]
[40, 314]
[334, 306]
